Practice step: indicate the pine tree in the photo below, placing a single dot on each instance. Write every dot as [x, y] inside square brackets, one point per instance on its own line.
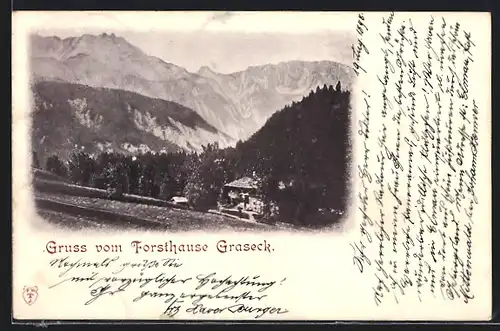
[116, 179]
[167, 186]
[81, 168]
[35, 161]
[207, 178]
[56, 166]
[146, 179]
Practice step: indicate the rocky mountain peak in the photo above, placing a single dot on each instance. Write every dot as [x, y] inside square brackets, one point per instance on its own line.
[205, 71]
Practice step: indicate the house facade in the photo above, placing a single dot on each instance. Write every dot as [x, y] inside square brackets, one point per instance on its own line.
[242, 194]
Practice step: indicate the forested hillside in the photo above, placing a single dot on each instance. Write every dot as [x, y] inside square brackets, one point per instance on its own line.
[68, 116]
[301, 156]
[300, 159]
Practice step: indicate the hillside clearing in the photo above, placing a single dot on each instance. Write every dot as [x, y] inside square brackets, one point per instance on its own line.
[173, 219]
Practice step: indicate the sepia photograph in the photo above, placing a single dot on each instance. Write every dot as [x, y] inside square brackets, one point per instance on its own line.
[178, 130]
[257, 166]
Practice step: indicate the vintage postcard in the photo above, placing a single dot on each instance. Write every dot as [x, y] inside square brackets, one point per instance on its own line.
[251, 166]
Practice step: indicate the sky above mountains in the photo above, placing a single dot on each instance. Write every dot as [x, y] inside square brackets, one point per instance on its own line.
[227, 52]
[224, 41]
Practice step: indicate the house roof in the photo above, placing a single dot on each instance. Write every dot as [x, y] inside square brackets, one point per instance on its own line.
[244, 182]
[179, 199]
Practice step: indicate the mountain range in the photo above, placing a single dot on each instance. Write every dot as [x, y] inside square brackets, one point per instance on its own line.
[231, 106]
